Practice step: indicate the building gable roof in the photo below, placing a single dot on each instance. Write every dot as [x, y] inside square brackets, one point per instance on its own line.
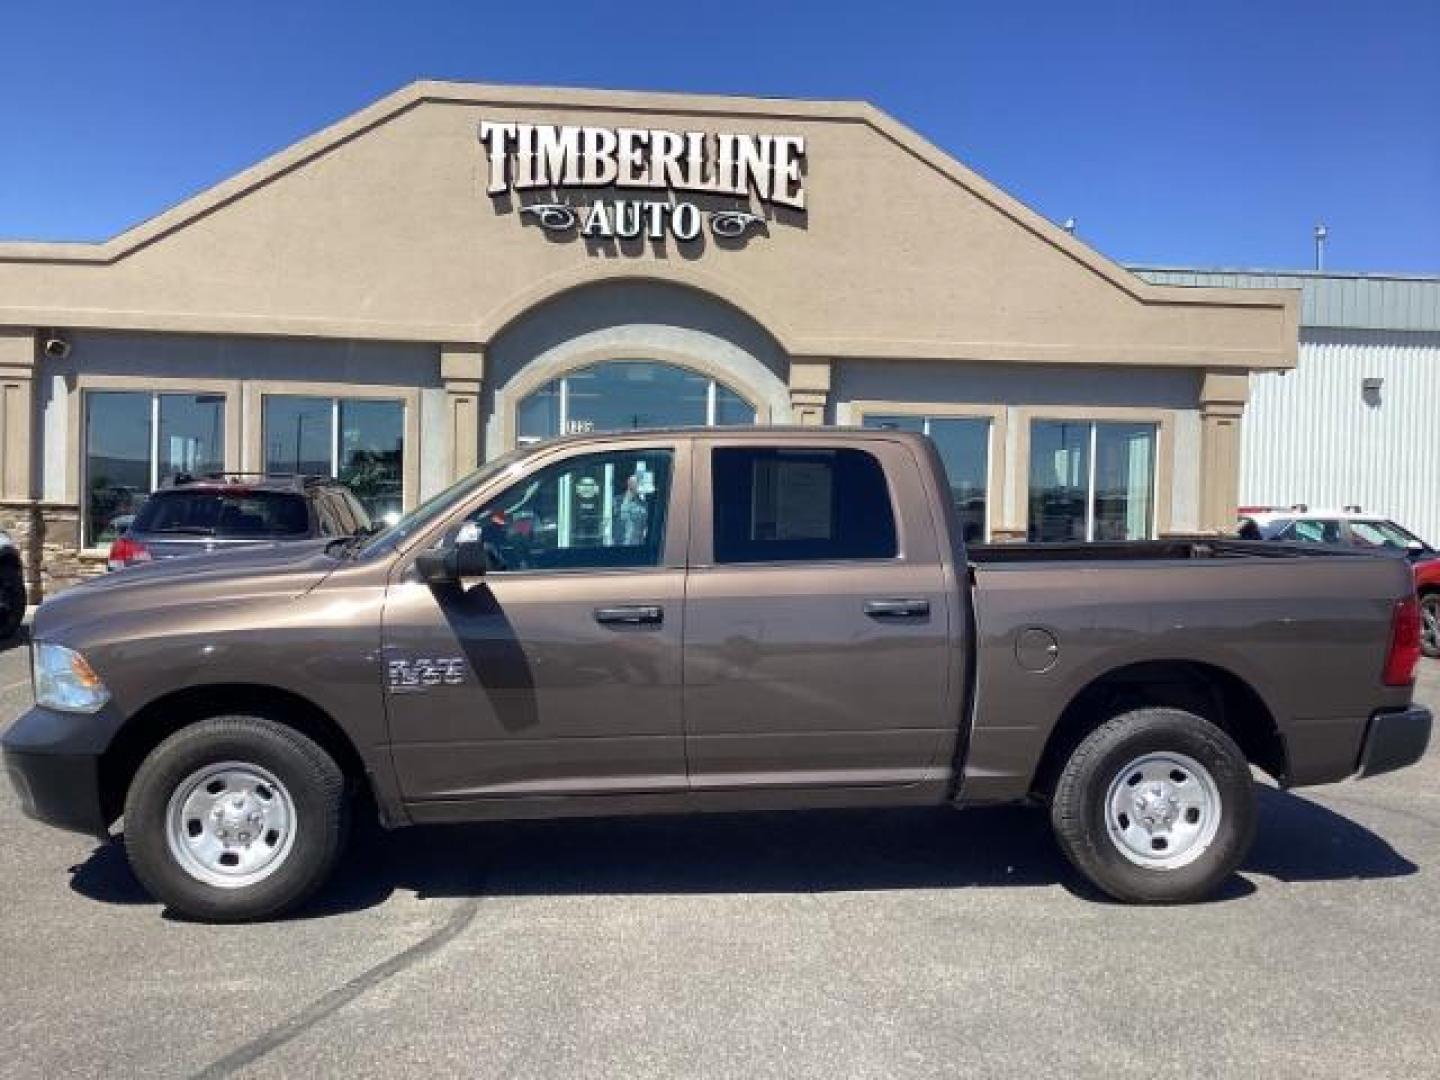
[1269, 344]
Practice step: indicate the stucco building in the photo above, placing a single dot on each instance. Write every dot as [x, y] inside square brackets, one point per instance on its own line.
[459, 268]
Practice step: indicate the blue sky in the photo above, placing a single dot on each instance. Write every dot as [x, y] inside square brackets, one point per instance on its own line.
[1207, 134]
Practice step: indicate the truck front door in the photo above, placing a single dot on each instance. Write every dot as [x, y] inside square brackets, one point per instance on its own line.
[817, 629]
[558, 672]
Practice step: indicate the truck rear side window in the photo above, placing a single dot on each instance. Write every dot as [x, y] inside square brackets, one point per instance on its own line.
[776, 505]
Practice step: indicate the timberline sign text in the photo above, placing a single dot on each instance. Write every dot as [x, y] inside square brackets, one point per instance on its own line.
[549, 157]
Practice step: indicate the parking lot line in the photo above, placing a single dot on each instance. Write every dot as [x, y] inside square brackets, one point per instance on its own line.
[461, 917]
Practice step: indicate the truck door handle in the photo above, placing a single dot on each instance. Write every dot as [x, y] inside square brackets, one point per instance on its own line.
[637, 615]
[896, 609]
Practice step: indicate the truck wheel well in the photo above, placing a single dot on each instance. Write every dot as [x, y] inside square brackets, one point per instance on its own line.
[1203, 689]
[166, 715]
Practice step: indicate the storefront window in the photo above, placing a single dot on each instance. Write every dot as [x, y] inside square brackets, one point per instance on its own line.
[137, 441]
[372, 440]
[299, 435]
[964, 445]
[1091, 481]
[1124, 481]
[731, 408]
[359, 440]
[622, 395]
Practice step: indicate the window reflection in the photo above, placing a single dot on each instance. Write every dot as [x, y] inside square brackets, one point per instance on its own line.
[964, 445]
[621, 395]
[358, 440]
[192, 435]
[1059, 481]
[135, 441]
[731, 408]
[117, 460]
[1124, 481]
[372, 451]
[1091, 481]
[298, 434]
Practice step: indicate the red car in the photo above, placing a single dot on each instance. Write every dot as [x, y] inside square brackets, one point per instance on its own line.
[1427, 586]
[1352, 528]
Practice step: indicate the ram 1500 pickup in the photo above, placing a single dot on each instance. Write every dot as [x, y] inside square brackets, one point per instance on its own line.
[717, 619]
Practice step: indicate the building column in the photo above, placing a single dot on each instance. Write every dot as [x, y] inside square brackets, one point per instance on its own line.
[462, 367]
[1222, 404]
[809, 390]
[17, 407]
[19, 512]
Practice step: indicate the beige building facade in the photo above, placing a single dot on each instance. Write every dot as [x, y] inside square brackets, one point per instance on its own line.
[461, 268]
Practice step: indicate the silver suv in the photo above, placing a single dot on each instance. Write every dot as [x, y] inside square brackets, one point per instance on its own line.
[220, 511]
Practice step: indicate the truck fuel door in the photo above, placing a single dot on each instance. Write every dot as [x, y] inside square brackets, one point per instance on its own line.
[1036, 649]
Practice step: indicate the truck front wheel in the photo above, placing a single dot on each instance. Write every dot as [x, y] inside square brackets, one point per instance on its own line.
[235, 818]
[1155, 806]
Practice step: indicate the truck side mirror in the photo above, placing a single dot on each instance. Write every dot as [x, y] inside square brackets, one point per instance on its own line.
[452, 563]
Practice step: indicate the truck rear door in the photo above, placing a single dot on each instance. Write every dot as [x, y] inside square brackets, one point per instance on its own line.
[817, 623]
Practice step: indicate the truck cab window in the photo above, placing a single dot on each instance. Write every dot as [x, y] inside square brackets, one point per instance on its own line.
[774, 505]
[596, 511]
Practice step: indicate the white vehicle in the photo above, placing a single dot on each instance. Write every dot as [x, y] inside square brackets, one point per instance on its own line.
[12, 587]
[1349, 526]
[1352, 527]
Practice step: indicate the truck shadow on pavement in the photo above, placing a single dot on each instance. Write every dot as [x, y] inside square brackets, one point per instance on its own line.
[812, 851]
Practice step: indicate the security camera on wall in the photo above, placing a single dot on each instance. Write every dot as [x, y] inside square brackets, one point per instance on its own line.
[56, 346]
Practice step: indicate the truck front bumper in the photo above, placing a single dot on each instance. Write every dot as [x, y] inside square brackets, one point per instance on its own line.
[1394, 740]
[53, 761]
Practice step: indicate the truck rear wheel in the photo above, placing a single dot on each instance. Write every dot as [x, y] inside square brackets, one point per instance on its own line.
[235, 818]
[1155, 806]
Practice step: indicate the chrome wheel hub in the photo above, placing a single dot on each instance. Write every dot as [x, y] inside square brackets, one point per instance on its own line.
[1162, 811]
[231, 824]
[1157, 807]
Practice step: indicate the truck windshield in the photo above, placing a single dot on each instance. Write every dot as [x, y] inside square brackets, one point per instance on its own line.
[437, 506]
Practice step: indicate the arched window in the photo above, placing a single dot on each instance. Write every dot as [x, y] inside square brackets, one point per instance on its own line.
[620, 395]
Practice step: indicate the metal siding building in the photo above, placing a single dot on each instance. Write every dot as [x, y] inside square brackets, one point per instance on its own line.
[1316, 435]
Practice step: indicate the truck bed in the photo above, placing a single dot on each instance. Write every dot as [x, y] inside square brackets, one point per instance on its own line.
[1305, 627]
[1159, 550]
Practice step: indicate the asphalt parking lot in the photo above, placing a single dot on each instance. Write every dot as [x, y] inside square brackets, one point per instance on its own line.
[882, 944]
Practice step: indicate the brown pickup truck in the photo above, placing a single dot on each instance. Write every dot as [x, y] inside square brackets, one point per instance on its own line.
[667, 621]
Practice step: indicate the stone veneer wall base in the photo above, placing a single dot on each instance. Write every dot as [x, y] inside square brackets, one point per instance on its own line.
[48, 536]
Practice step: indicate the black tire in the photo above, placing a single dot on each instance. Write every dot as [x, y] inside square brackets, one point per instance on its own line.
[1080, 809]
[12, 601]
[1430, 624]
[311, 779]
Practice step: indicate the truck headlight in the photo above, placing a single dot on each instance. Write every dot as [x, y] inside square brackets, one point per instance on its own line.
[64, 681]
